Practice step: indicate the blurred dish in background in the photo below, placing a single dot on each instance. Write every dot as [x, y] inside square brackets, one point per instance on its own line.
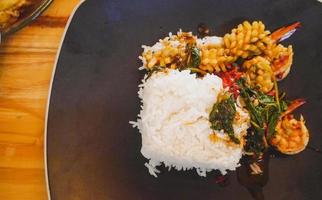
[15, 14]
[10, 11]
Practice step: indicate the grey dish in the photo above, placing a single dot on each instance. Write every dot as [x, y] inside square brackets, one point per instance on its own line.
[92, 150]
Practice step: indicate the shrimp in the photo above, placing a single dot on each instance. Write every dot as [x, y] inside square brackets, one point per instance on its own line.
[285, 32]
[291, 136]
[293, 105]
[281, 57]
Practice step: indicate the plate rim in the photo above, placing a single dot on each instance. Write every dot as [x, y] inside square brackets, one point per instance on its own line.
[70, 19]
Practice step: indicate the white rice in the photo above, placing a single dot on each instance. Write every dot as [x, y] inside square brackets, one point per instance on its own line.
[175, 127]
[209, 40]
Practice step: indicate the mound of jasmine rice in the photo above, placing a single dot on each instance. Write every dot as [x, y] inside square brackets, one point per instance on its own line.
[175, 128]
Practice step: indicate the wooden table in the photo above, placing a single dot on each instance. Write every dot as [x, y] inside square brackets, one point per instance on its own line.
[26, 63]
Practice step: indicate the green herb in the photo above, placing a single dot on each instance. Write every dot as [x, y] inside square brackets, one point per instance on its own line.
[192, 62]
[282, 95]
[222, 117]
[277, 94]
[197, 70]
[272, 119]
[283, 106]
[194, 58]
[265, 112]
[265, 99]
[254, 142]
[239, 61]
[154, 69]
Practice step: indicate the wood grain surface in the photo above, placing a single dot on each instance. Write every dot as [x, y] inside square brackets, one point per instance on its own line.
[26, 63]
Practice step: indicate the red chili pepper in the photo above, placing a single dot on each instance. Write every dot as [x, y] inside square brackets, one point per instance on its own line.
[229, 80]
[266, 131]
[280, 62]
[271, 93]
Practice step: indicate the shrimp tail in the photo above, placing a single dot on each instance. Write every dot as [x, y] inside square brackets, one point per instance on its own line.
[285, 32]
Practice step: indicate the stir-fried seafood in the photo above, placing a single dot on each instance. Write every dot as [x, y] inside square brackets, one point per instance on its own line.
[248, 52]
[245, 41]
[291, 135]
